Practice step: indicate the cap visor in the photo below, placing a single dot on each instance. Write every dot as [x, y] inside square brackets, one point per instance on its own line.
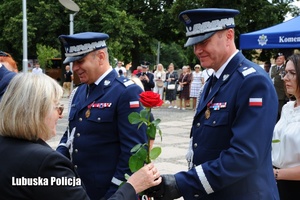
[197, 39]
[73, 59]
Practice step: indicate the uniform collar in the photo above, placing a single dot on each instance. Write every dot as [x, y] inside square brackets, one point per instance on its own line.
[103, 76]
[220, 71]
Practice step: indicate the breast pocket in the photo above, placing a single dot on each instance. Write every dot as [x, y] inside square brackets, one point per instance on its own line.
[101, 115]
[216, 133]
[217, 118]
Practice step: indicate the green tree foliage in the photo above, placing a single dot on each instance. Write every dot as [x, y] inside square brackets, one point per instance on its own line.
[134, 26]
[45, 53]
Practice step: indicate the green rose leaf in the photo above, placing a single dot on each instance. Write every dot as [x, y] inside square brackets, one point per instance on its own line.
[151, 131]
[144, 114]
[155, 152]
[135, 163]
[136, 148]
[156, 122]
[160, 133]
[275, 141]
[134, 118]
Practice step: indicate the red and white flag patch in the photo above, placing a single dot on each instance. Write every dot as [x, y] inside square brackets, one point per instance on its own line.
[134, 104]
[255, 102]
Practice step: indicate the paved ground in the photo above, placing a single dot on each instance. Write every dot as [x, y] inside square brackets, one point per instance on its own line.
[175, 125]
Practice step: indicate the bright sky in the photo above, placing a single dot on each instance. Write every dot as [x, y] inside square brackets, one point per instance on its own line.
[288, 16]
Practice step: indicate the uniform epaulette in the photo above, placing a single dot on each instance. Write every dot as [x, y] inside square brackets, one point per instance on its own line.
[125, 81]
[245, 71]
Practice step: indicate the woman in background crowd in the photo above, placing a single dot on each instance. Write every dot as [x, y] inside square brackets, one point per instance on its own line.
[171, 93]
[32, 169]
[196, 84]
[159, 79]
[285, 152]
[184, 82]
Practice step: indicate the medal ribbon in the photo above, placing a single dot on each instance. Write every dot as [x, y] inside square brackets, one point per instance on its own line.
[210, 104]
[99, 105]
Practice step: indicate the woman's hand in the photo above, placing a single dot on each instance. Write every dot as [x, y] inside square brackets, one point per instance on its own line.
[146, 177]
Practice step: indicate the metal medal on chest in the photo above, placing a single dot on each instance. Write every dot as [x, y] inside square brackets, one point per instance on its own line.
[207, 113]
[88, 113]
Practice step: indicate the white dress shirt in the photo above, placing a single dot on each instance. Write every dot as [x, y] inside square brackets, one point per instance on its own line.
[286, 153]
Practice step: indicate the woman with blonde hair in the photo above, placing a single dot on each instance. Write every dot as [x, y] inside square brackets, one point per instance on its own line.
[31, 169]
[159, 79]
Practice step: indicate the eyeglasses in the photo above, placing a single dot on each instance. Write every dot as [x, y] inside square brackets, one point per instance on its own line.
[288, 74]
[60, 108]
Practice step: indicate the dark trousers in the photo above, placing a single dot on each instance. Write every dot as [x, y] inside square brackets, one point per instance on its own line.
[288, 190]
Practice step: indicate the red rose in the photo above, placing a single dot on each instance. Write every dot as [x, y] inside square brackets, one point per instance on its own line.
[150, 99]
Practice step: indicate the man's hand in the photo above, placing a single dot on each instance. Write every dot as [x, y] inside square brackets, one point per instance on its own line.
[167, 190]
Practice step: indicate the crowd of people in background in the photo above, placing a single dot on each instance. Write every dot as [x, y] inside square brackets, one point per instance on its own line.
[175, 87]
[179, 87]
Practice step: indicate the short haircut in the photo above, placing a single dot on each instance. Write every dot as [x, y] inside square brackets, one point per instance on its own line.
[28, 100]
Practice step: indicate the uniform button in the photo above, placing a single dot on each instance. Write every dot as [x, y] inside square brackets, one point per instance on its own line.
[195, 165]
[195, 145]
[75, 166]
[98, 118]
[76, 150]
[198, 124]
[196, 195]
[78, 134]
[80, 119]
[214, 122]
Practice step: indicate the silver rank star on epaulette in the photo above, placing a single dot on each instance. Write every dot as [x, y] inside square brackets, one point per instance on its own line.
[248, 71]
[127, 82]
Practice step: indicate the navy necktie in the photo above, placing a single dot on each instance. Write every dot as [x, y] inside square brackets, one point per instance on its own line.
[213, 81]
[90, 89]
[212, 84]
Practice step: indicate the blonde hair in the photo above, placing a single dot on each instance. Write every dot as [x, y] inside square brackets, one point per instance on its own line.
[162, 68]
[27, 102]
[138, 82]
[197, 66]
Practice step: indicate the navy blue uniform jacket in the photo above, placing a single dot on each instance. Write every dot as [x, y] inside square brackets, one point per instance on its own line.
[5, 77]
[103, 140]
[232, 148]
[22, 158]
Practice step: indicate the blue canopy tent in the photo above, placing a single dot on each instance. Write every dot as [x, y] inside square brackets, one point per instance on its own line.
[280, 36]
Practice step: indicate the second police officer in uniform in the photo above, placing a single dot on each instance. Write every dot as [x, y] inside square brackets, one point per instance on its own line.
[99, 136]
[233, 125]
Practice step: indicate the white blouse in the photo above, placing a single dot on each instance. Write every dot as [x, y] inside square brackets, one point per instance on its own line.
[286, 153]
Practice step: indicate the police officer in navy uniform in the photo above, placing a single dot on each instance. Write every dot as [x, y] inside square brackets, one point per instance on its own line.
[230, 152]
[147, 78]
[99, 136]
